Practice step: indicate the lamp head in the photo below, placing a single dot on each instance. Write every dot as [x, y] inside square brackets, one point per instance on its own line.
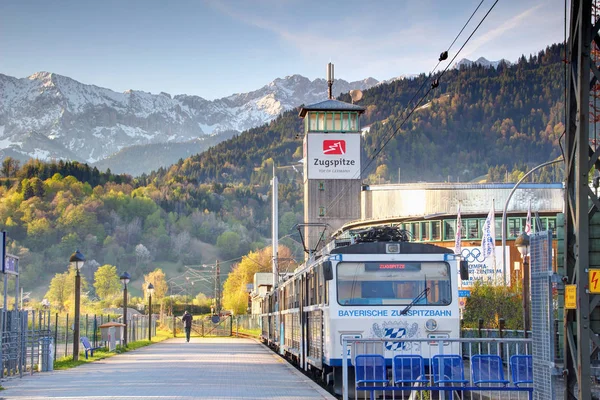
[150, 289]
[77, 260]
[125, 278]
[522, 244]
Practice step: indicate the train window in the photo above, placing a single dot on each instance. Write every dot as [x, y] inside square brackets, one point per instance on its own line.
[397, 283]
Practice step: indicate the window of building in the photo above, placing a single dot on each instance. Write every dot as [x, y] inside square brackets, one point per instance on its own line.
[415, 231]
[425, 234]
[449, 232]
[436, 232]
[514, 227]
[321, 211]
[321, 185]
[472, 229]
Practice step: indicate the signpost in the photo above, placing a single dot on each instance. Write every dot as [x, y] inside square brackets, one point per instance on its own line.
[571, 297]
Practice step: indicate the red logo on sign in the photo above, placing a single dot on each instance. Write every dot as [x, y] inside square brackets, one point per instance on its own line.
[334, 147]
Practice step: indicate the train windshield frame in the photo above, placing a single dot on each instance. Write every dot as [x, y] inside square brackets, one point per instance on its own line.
[393, 283]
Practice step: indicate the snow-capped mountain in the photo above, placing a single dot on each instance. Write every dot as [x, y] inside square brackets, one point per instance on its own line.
[481, 61]
[47, 115]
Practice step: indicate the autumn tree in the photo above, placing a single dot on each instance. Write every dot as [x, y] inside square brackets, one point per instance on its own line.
[158, 280]
[235, 293]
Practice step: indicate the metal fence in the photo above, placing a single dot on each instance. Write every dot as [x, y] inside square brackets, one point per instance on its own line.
[62, 329]
[207, 325]
[22, 335]
[434, 380]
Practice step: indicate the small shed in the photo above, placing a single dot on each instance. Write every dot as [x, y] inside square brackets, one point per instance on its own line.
[111, 331]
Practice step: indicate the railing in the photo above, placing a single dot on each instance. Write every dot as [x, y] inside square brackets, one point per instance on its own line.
[445, 376]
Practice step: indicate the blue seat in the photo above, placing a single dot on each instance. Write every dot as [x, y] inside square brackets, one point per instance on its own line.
[370, 368]
[409, 369]
[487, 368]
[521, 368]
[448, 369]
[88, 346]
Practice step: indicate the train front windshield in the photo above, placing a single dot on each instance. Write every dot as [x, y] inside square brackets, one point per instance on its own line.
[393, 283]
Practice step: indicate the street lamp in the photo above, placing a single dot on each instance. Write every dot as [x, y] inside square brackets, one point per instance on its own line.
[522, 244]
[76, 260]
[125, 278]
[150, 291]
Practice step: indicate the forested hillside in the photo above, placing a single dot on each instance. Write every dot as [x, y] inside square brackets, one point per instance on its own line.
[478, 118]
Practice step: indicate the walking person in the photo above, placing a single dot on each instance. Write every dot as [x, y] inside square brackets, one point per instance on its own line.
[187, 324]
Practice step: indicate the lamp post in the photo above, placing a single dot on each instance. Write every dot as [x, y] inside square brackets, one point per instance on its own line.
[76, 260]
[150, 291]
[125, 277]
[522, 243]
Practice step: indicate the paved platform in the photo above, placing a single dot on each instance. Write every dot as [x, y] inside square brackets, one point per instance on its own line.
[205, 368]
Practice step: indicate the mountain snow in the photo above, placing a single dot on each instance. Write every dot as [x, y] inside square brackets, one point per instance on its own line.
[48, 116]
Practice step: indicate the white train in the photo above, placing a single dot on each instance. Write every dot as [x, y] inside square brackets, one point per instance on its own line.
[377, 285]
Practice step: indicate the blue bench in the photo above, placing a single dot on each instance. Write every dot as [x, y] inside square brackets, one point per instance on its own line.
[88, 347]
[447, 373]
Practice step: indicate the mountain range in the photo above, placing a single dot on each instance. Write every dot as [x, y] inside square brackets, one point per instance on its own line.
[50, 116]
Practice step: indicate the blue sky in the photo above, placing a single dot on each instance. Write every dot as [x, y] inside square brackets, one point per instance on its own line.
[217, 48]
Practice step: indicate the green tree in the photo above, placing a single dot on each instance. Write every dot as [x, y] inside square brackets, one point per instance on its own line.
[106, 282]
[229, 244]
[60, 290]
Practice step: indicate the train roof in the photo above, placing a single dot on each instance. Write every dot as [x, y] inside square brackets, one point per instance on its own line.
[381, 248]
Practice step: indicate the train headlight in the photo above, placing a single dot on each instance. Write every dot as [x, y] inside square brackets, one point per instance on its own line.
[431, 325]
[392, 248]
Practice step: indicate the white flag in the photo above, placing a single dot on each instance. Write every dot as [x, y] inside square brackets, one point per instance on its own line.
[457, 240]
[488, 240]
[528, 223]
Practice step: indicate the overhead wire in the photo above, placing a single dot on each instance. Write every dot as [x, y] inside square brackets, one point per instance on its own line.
[442, 57]
[386, 139]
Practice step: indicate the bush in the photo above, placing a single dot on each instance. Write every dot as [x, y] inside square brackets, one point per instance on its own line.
[492, 303]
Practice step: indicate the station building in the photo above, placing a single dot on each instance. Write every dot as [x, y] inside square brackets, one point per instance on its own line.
[428, 211]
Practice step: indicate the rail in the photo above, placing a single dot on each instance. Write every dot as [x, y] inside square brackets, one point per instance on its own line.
[449, 365]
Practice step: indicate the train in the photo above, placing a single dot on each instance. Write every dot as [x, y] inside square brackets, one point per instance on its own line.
[372, 283]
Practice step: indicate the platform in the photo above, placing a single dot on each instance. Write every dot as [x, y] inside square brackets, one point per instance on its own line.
[205, 368]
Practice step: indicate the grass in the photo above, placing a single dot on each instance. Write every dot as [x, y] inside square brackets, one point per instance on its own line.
[68, 362]
[252, 332]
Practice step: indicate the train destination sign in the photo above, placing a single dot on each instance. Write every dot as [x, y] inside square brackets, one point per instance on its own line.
[387, 266]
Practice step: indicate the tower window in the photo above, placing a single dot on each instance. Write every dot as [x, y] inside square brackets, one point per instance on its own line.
[321, 211]
[321, 185]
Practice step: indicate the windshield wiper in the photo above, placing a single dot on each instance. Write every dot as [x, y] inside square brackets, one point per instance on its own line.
[412, 303]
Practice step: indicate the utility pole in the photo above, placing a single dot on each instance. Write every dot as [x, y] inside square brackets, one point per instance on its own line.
[217, 288]
[580, 329]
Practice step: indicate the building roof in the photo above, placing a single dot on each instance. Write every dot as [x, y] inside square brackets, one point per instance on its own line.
[331, 105]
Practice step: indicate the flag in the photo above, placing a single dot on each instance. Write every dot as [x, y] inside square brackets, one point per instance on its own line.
[488, 240]
[457, 240]
[528, 223]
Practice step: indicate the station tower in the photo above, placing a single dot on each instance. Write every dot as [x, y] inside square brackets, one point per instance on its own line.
[332, 151]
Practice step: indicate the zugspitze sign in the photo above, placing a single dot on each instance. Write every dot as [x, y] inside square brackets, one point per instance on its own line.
[332, 156]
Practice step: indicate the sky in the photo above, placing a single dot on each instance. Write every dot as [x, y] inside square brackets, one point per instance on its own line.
[217, 48]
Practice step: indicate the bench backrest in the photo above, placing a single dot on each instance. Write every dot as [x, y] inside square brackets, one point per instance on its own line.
[487, 368]
[409, 368]
[448, 368]
[86, 342]
[370, 368]
[521, 367]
